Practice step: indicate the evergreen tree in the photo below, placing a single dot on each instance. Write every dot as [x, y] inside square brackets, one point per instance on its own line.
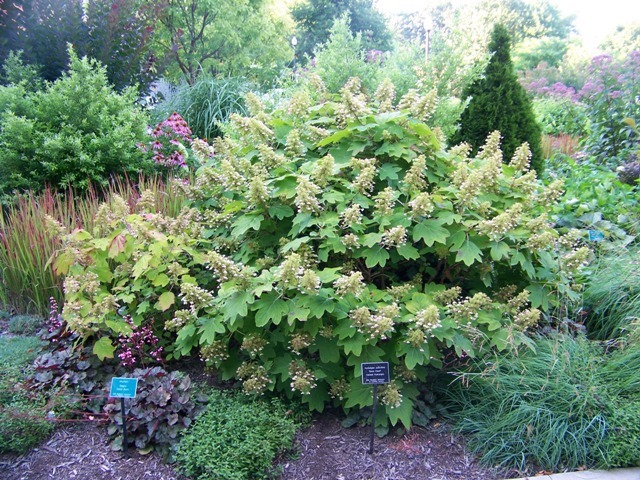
[499, 102]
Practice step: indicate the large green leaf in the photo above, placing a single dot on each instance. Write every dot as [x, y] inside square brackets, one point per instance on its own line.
[469, 253]
[103, 348]
[402, 412]
[430, 232]
[209, 326]
[237, 305]
[165, 301]
[270, 308]
[375, 256]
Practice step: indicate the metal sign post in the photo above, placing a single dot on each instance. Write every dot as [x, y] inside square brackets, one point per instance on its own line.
[375, 373]
[123, 388]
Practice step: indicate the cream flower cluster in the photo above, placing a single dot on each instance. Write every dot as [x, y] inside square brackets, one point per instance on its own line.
[216, 352]
[373, 326]
[349, 284]
[303, 380]
[254, 376]
[501, 224]
[306, 196]
[385, 95]
[353, 103]
[467, 310]
[394, 237]
[253, 345]
[385, 201]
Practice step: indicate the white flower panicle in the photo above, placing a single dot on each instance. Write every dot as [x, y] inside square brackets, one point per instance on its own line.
[421, 206]
[385, 201]
[385, 95]
[353, 102]
[501, 224]
[255, 378]
[324, 170]
[302, 379]
[414, 179]
[349, 284]
[351, 216]
[521, 158]
[428, 318]
[293, 144]
[223, 267]
[306, 196]
[394, 237]
[364, 181]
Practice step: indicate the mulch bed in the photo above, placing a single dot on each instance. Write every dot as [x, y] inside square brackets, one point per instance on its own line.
[324, 451]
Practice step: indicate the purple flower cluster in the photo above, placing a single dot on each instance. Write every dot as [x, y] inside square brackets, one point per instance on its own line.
[169, 135]
[142, 342]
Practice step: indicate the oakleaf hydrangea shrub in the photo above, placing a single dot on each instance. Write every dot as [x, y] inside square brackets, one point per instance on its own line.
[326, 234]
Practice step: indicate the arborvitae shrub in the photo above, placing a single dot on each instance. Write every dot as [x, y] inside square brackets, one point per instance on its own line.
[499, 102]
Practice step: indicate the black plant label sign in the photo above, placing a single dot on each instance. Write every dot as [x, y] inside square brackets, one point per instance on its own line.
[375, 373]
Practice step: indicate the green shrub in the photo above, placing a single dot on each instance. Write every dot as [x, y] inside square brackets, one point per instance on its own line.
[18, 350]
[499, 102]
[235, 438]
[23, 426]
[612, 295]
[206, 104]
[560, 116]
[30, 234]
[23, 422]
[547, 407]
[327, 235]
[75, 132]
[622, 446]
[25, 324]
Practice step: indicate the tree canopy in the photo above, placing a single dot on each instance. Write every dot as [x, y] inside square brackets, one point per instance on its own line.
[314, 19]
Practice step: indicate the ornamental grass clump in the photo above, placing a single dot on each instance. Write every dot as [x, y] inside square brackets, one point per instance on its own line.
[549, 407]
[326, 234]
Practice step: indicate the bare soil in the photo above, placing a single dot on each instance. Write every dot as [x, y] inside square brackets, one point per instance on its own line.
[324, 451]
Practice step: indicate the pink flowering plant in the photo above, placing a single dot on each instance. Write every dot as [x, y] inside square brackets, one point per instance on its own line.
[170, 141]
[332, 232]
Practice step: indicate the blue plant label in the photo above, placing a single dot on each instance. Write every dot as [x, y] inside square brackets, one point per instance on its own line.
[375, 373]
[123, 387]
[596, 236]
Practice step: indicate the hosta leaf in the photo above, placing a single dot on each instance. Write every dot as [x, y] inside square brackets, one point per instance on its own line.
[430, 232]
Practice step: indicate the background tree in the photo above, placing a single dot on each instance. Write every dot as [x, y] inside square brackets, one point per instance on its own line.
[499, 102]
[13, 18]
[221, 36]
[314, 19]
[120, 35]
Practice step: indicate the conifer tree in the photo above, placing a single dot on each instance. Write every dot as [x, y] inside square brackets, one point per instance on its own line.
[499, 102]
